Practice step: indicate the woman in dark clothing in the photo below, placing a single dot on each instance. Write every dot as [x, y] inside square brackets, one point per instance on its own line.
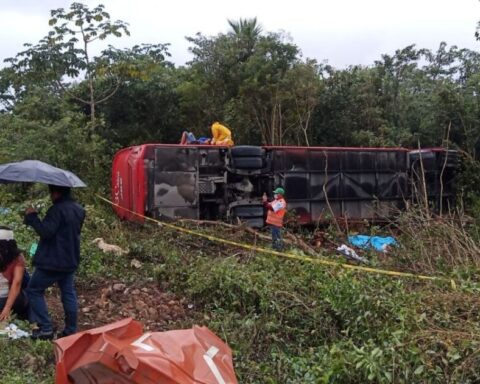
[12, 270]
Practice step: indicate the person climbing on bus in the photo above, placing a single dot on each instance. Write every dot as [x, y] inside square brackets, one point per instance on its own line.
[204, 140]
[189, 138]
[221, 135]
[276, 211]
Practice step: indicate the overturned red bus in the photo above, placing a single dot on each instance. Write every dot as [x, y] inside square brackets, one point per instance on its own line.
[212, 182]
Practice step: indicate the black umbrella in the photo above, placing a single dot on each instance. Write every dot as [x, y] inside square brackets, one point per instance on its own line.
[34, 171]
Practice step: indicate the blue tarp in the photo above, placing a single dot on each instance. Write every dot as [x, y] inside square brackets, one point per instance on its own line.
[378, 243]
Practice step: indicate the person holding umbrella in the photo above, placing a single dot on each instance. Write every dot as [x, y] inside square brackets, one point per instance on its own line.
[56, 260]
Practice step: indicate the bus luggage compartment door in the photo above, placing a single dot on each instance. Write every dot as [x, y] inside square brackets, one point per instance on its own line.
[175, 186]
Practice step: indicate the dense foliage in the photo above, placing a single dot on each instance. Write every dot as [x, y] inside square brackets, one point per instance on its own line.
[255, 81]
[56, 94]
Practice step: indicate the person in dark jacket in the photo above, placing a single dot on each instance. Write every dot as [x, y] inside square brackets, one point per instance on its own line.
[56, 260]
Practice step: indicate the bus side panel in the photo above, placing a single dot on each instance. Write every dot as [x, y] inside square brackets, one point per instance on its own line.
[128, 183]
[350, 183]
[175, 189]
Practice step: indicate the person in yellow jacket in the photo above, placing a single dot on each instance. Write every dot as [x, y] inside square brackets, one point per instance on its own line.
[221, 135]
[276, 211]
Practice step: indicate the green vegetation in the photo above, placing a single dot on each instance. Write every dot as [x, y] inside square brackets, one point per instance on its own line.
[26, 362]
[287, 321]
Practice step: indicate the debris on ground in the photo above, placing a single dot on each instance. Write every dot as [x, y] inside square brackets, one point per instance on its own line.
[379, 243]
[109, 248]
[350, 254]
[13, 332]
[103, 302]
[136, 263]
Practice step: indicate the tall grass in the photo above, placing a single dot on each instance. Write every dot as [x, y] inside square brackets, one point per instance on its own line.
[434, 237]
[431, 243]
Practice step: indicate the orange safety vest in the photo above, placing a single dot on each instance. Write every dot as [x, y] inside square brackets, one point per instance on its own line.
[276, 218]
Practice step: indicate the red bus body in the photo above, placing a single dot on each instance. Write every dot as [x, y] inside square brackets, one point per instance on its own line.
[211, 182]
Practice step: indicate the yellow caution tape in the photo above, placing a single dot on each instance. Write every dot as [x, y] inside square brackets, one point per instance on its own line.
[283, 254]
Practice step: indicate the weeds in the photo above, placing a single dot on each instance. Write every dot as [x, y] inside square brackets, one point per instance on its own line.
[294, 322]
[24, 362]
[437, 243]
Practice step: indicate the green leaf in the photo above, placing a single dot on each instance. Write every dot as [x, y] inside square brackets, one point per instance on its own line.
[376, 352]
[419, 370]
[455, 357]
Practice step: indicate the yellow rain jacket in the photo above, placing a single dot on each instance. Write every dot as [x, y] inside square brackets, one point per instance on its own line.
[221, 135]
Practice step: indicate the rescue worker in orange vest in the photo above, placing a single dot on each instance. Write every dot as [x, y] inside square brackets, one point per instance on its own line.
[276, 211]
[221, 135]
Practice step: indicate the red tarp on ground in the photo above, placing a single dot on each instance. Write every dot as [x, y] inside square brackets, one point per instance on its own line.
[120, 353]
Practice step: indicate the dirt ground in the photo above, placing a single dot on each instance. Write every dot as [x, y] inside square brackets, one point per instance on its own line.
[102, 303]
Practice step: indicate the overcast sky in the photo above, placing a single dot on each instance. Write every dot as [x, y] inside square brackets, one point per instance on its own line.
[343, 32]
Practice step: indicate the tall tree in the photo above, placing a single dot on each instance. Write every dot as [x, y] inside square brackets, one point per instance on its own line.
[305, 84]
[243, 78]
[247, 33]
[145, 108]
[64, 54]
[265, 97]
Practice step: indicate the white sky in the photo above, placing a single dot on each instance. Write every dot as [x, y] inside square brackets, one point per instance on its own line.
[344, 32]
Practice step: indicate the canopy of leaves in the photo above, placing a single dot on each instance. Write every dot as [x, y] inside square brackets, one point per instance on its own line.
[254, 81]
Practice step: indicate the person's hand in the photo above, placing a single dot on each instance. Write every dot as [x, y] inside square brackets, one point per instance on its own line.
[4, 315]
[264, 197]
[30, 210]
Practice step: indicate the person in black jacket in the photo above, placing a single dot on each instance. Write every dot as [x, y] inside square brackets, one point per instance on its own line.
[56, 260]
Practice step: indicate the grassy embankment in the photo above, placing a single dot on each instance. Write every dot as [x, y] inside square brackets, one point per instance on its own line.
[294, 322]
